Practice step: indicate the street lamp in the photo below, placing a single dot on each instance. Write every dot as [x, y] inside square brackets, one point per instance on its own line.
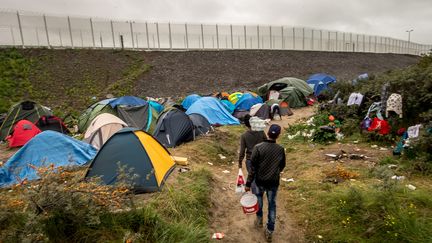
[409, 34]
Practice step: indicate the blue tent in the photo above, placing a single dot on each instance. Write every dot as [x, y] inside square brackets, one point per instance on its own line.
[320, 81]
[213, 110]
[127, 101]
[158, 107]
[189, 100]
[246, 101]
[228, 105]
[46, 148]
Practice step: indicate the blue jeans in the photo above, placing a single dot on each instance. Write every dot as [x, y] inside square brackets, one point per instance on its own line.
[254, 187]
[271, 197]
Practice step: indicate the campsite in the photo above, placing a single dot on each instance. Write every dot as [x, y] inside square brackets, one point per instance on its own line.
[121, 157]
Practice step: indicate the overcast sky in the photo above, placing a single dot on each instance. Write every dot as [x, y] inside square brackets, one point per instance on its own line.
[375, 17]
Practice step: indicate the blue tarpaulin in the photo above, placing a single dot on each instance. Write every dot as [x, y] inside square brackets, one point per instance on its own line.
[189, 100]
[48, 147]
[213, 110]
[246, 101]
[228, 105]
[127, 101]
[320, 81]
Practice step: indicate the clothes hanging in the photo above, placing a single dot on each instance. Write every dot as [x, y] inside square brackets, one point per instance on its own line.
[413, 131]
[376, 106]
[355, 99]
[394, 103]
[379, 125]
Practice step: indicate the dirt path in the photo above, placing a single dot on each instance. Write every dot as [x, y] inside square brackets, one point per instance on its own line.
[227, 213]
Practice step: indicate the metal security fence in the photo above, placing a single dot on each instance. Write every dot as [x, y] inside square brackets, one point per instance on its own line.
[38, 30]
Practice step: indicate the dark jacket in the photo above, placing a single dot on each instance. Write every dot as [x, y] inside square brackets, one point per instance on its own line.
[267, 161]
[248, 140]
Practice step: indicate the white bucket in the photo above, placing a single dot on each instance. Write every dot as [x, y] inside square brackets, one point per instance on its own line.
[249, 203]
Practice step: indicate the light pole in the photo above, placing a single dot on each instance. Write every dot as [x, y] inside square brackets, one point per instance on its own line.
[409, 34]
[409, 38]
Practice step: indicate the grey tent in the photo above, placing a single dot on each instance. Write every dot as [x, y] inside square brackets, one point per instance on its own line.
[174, 128]
[200, 123]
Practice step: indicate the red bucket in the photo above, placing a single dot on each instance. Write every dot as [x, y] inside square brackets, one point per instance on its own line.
[249, 203]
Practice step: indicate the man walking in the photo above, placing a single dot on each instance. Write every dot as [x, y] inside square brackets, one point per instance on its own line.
[248, 140]
[267, 161]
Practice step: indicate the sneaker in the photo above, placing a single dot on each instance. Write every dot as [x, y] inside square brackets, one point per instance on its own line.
[268, 235]
[259, 222]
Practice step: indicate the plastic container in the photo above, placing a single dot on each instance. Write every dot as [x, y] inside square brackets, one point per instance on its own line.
[249, 203]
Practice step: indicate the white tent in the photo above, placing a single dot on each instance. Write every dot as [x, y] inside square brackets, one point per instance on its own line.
[102, 128]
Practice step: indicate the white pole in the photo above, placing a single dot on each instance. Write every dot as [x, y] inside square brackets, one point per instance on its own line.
[20, 29]
[169, 35]
[46, 31]
[157, 34]
[92, 32]
[202, 36]
[112, 33]
[232, 40]
[217, 36]
[132, 34]
[244, 31]
[303, 39]
[294, 40]
[271, 39]
[70, 32]
[282, 36]
[258, 37]
[147, 36]
[187, 37]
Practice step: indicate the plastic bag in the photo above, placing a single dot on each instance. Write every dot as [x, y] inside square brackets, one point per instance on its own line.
[240, 183]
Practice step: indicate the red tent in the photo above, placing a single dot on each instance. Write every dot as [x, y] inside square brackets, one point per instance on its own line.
[22, 133]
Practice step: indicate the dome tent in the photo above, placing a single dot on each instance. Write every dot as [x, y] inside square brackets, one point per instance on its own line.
[23, 132]
[189, 100]
[213, 110]
[26, 110]
[173, 128]
[135, 149]
[320, 81]
[48, 147]
[102, 128]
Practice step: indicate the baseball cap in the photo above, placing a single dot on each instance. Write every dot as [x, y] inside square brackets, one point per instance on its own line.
[274, 129]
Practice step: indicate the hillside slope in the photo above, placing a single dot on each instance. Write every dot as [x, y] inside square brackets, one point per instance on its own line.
[73, 79]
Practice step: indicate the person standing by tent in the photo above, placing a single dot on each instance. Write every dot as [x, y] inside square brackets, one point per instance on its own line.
[248, 140]
[267, 162]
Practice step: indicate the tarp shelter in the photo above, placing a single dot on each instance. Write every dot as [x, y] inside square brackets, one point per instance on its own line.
[292, 90]
[52, 123]
[46, 148]
[134, 111]
[189, 100]
[234, 97]
[200, 123]
[27, 110]
[228, 106]
[213, 110]
[135, 149]
[173, 128]
[23, 132]
[247, 101]
[319, 82]
[102, 128]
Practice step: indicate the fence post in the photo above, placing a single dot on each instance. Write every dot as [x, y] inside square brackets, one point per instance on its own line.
[303, 39]
[337, 44]
[375, 44]
[217, 36]
[132, 34]
[61, 41]
[70, 32]
[244, 31]
[46, 31]
[202, 36]
[37, 37]
[169, 35]
[258, 37]
[283, 38]
[157, 34]
[92, 32]
[112, 33]
[271, 38]
[147, 36]
[12, 34]
[82, 41]
[294, 38]
[344, 42]
[232, 41]
[328, 40]
[312, 39]
[364, 43]
[321, 47]
[20, 29]
[187, 37]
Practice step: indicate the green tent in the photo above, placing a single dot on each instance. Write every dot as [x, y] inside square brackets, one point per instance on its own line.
[26, 110]
[292, 90]
[139, 116]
